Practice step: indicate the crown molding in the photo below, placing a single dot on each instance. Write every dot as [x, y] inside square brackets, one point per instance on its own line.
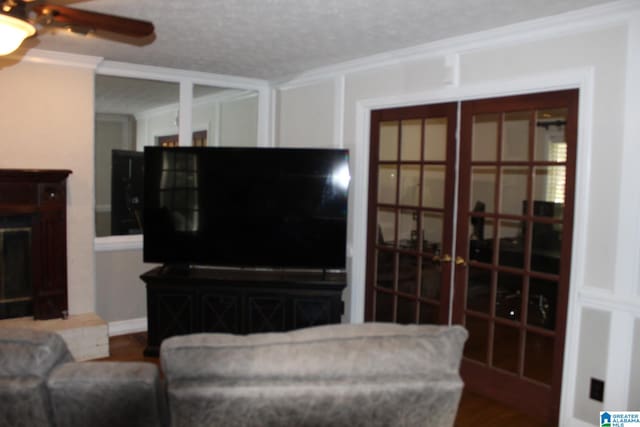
[50, 57]
[568, 23]
[229, 95]
[123, 69]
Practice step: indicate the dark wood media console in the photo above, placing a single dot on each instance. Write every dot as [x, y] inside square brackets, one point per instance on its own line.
[238, 301]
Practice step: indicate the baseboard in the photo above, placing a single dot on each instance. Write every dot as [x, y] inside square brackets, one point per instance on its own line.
[575, 422]
[130, 326]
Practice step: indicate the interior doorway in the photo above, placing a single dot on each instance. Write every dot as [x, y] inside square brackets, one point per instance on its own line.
[488, 246]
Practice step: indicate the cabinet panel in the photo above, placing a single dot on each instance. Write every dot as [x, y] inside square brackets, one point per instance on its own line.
[171, 314]
[312, 311]
[266, 313]
[221, 312]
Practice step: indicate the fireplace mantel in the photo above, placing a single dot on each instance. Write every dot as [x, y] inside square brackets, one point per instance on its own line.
[40, 195]
[33, 175]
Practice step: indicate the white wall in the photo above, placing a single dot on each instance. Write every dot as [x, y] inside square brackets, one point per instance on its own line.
[239, 122]
[597, 52]
[46, 117]
[120, 294]
[296, 107]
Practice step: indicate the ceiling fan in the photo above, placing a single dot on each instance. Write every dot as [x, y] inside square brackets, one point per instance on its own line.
[19, 19]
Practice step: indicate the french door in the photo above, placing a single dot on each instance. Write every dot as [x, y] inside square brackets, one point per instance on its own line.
[506, 276]
[410, 222]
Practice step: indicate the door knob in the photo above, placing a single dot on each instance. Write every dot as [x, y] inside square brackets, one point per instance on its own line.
[441, 259]
[460, 261]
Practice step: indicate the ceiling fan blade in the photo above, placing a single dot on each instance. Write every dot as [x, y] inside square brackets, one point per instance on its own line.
[94, 20]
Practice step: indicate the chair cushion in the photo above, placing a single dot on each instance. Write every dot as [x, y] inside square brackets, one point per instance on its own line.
[338, 375]
[31, 352]
[97, 394]
[369, 350]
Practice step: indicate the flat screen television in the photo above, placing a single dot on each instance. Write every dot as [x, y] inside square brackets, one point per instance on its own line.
[246, 207]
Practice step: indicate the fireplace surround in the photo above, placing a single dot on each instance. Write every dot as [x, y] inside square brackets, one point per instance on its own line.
[33, 243]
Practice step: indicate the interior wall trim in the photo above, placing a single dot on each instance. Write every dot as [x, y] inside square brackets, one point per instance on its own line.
[129, 326]
[607, 300]
[569, 23]
[117, 243]
[339, 85]
[47, 57]
[576, 422]
[123, 69]
[628, 250]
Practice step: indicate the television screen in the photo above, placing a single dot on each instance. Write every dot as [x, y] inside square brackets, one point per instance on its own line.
[246, 207]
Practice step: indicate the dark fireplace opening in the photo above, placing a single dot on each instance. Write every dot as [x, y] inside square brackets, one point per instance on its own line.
[16, 289]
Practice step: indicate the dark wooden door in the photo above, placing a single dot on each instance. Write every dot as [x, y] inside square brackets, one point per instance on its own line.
[514, 227]
[411, 198]
[509, 267]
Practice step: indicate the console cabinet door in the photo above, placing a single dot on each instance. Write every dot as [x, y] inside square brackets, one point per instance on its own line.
[221, 311]
[314, 311]
[266, 312]
[170, 312]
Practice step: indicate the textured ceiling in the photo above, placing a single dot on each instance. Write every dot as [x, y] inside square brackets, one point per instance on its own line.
[273, 39]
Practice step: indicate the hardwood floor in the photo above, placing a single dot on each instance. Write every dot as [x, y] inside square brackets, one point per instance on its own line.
[474, 410]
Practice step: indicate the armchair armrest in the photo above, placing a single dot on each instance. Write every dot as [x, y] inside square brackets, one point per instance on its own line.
[107, 394]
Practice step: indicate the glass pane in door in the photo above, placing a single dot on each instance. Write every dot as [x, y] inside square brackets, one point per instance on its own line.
[505, 348]
[386, 230]
[515, 138]
[550, 138]
[387, 184]
[509, 296]
[411, 140]
[435, 135]
[543, 297]
[384, 307]
[485, 133]
[410, 185]
[433, 186]
[483, 187]
[476, 346]
[388, 147]
[513, 189]
[479, 290]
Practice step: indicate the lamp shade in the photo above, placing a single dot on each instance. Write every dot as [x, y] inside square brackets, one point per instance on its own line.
[13, 31]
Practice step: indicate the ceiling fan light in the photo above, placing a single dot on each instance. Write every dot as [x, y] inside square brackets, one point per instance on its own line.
[13, 31]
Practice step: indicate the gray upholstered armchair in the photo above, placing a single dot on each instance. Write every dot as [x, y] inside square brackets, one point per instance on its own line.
[368, 374]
